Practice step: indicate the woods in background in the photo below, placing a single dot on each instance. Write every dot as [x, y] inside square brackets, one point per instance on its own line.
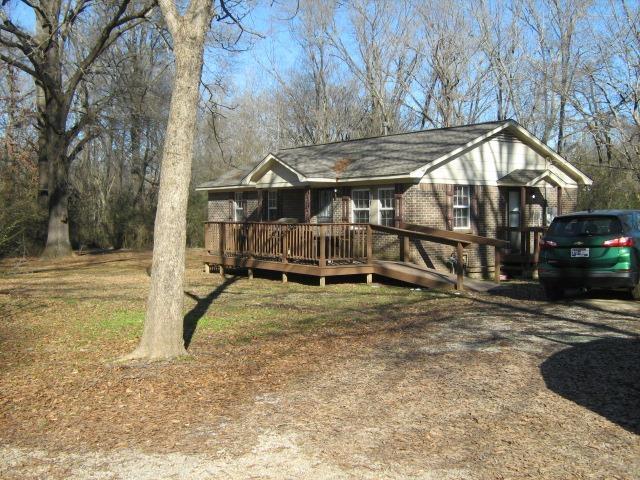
[567, 70]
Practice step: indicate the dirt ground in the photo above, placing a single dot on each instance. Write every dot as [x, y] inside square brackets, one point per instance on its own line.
[298, 381]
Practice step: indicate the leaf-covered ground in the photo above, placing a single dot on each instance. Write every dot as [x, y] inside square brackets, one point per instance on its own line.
[298, 381]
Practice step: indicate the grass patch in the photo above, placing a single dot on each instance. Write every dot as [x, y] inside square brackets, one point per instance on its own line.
[119, 324]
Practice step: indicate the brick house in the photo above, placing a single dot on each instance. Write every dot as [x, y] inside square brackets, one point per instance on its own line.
[492, 179]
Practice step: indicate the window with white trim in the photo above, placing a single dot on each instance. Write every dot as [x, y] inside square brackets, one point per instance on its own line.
[461, 206]
[272, 205]
[386, 211]
[361, 200]
[238, 207]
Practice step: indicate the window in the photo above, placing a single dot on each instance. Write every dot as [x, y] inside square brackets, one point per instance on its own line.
[584, 226]
[325, 206]
[361, 205]
[272, 205]
[386, 211]
[461, 207]
[238, 207]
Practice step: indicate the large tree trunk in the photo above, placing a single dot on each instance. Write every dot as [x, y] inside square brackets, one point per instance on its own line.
[58, 243]
[163, 329]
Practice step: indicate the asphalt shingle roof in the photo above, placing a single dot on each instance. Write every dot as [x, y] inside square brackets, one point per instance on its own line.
[396, 154]
[230, 178]
[381, 156]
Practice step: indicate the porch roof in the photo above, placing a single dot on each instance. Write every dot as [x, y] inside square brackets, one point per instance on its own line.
[529, 177]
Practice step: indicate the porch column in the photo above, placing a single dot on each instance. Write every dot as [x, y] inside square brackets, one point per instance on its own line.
[559, 200]
[523, 206]
[524, 239]
[307, 205]
[261, 205]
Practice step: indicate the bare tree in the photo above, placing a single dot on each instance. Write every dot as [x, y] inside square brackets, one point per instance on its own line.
[163, 330]
[452, 81]
[380, 57]
[59, 59]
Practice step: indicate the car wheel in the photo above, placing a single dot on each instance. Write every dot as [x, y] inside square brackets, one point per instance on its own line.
[553, 292]
[635, 292]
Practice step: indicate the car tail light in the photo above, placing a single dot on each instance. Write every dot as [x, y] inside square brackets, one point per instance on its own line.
[619, 242]
[544, 244]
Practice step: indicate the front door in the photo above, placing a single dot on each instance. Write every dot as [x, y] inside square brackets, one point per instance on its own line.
[513, 219]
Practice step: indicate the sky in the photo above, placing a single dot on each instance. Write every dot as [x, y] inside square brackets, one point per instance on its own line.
[276, 48]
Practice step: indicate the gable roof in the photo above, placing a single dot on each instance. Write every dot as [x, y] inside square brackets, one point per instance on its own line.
[397, 156]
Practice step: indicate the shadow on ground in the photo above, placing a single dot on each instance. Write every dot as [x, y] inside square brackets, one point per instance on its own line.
[190, 322]
[602, 375]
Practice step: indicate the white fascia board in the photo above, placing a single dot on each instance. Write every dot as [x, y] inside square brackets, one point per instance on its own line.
[439, 161]
[548, 176]
[559, 160]
[265, 161]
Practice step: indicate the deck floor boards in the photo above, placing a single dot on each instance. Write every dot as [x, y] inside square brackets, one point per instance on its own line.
[396, 270]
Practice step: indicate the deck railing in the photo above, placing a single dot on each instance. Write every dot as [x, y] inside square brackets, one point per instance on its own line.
[326, 245]
[529, 249]
[314, 244]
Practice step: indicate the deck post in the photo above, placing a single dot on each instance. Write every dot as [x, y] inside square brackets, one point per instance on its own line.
[404, 243]
[559, 200]
[322, 281]
[369, 245]
[369, 278]
[322, 262]
[221, 270]
[250, 233]
[536, 255]
[307, 205]
[459, 267]
[284, 245]
[497, 264]
[250, 273]
[221, 232]
[285, 279]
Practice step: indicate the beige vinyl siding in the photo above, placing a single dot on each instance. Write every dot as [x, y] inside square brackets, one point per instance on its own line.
[488, 162]
[277, 176]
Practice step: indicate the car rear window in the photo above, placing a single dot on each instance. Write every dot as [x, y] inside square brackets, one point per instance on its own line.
[585, 226]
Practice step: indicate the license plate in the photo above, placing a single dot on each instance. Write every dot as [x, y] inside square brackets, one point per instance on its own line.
[579, 253]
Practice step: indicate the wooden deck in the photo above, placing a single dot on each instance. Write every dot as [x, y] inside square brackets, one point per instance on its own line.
[337, 249]
[395, 270]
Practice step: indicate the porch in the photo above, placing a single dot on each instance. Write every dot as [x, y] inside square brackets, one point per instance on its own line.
[335, 249]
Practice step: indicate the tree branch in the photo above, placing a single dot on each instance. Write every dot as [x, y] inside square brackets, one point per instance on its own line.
[107, 36]
[18, 64]
[171, 15]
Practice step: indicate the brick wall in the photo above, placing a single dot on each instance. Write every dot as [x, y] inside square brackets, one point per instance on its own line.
[430, 204]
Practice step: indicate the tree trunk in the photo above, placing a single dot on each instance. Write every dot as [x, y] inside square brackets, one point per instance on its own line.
[163, 329]
[58, 243]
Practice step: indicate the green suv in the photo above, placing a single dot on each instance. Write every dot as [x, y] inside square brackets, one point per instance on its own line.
[594, 249]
